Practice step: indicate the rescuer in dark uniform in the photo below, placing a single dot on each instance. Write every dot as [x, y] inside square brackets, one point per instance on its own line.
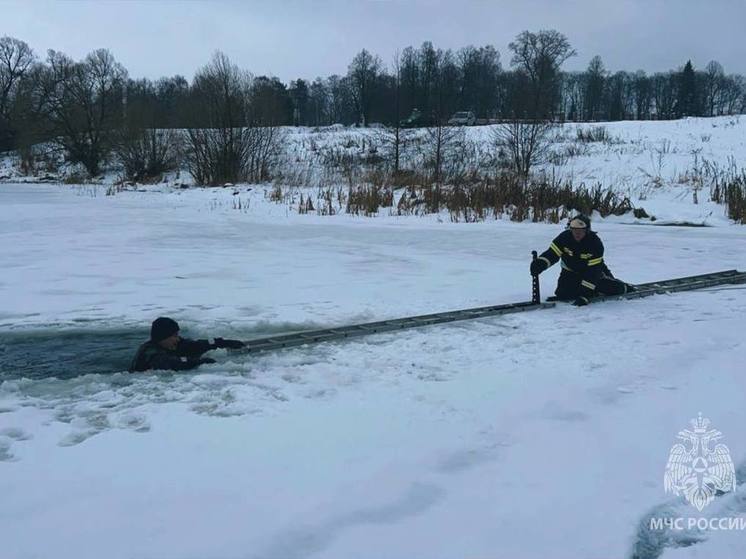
[167, 350]
[584, 274]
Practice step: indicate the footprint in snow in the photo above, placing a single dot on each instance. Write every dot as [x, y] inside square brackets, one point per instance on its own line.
[16, 434]
[76, 437]
[133, 421]
[5, 445]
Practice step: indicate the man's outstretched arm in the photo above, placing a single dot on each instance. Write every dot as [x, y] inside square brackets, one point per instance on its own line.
[192, 349]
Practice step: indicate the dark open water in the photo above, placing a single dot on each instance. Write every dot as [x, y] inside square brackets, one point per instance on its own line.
[67, 353]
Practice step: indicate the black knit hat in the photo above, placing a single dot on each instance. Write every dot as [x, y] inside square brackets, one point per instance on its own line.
[163, 328]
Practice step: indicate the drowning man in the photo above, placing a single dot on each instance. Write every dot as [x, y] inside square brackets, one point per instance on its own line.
[167, 350]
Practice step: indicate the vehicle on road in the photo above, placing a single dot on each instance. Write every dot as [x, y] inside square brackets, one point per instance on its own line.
[462, 118]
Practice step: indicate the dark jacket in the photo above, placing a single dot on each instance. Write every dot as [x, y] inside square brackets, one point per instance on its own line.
[584, 259]
[186, 356]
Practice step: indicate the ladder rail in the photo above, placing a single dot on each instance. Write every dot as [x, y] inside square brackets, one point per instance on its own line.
[724, 274]
[722, 277]
[663, 287]
[308, 337]
[356, 330]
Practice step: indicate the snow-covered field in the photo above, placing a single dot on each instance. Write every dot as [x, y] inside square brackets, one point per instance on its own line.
[657, 164]
[543, 434]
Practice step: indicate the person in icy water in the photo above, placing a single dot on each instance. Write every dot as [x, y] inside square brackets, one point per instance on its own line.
[167, 350]
[584, 273]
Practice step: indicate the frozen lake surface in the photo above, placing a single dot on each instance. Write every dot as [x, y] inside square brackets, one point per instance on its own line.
[543, 434]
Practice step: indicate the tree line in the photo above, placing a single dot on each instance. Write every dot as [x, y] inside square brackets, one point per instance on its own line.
[92, 106]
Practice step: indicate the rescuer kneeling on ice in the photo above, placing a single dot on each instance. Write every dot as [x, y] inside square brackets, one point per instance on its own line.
[584, 274]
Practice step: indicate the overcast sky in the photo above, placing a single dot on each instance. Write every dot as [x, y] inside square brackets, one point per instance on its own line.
[292, 39]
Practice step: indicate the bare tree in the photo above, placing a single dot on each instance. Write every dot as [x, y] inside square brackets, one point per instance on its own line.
[663, 94]
[540, 56]
[526, 143]
[714, 79]
[320, 101]
[395, 141]
[216, 140]
[479, 69]
[341, 99]
[363, 73]
[734, 94]
[264, 151]
[16, 58]
[146, 153]
[395, 132]
[27, 126]
[574, 88]
[82, 103]
[642, 94]
[594, 92]
[221, 146]
[440, 147]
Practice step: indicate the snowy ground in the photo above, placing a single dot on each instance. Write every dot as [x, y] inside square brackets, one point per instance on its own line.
[543, 434]
[657, 164]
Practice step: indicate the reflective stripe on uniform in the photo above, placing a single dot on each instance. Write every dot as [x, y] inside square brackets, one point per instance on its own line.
[588, 284]
[555, 249]
[595, 261]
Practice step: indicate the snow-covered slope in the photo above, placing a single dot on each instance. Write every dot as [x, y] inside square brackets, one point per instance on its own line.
[665, 167]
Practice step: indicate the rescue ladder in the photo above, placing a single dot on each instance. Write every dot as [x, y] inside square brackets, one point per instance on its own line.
[356, 330]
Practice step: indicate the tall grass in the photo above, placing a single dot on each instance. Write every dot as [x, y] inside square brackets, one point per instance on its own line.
[727, 186]
[506, 195]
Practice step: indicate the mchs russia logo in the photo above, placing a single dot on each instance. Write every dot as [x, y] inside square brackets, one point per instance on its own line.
[696, 469]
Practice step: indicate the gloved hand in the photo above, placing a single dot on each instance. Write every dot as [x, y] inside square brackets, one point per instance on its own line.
[580, 302]
[232, 344]
[538, 266]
